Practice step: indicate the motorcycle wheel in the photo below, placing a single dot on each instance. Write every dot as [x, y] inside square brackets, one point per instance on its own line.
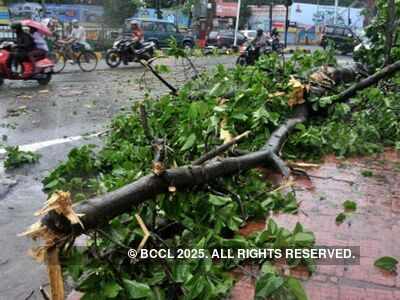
[45, 80]
[88, 61]
[113, 59]
[241, 61]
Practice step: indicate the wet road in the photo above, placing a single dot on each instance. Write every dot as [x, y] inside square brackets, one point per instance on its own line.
[75, 104]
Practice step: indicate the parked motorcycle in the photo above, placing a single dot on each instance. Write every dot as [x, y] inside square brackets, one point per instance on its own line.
[42, 70]
[124, 51]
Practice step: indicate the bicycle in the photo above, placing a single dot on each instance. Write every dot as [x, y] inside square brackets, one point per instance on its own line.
[86, 59]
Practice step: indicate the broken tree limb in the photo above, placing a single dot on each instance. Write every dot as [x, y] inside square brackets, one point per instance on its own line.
[217, 151]
[369, 81]
[98, 211]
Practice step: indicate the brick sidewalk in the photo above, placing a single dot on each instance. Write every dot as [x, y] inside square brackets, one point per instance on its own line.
[375, 227]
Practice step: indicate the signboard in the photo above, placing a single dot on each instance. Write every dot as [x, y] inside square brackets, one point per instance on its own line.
[311, 15]
[226, 9]
[82, 13]
[4, 16]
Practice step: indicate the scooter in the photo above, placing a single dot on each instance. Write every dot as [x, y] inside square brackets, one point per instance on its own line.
[124, 51]
[42, 70]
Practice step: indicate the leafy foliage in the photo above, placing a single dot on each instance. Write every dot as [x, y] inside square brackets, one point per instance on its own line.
[16, 158]
[225, 101]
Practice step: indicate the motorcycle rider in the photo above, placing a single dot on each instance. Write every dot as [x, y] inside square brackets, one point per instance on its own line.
[137, 32]
[137, 39]
[261, 41]
[275, 40]
[24, 45]
[40, 49]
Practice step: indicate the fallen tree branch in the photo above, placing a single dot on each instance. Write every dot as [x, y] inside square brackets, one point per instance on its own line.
[220, 149]
[369, 81]
[98, 211]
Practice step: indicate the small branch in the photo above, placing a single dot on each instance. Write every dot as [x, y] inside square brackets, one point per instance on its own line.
[159, 158]
[155, 73]
[220, 149]
[145, 124]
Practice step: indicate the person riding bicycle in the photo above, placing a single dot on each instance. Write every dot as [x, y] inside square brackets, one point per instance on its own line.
[24, 45]
[76, 38]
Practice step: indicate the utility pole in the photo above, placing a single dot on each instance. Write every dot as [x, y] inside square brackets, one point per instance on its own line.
[158, 9]
[271, 5]
[336, 12]
[237, 22]
[287, 4]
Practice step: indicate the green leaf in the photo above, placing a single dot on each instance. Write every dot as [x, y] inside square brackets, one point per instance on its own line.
[136, 290]
[189, 142]
[387, 263]
[267, 285]
[268, 268]
[219, 200]
[340, 218]
[111, 289]
[349, 205]
[296, 288]
[304, 239]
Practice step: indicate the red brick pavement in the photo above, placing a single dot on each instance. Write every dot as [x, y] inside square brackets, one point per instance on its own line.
[375, 227]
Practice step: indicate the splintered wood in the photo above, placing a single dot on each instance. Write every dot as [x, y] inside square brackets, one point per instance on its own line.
[48, 251]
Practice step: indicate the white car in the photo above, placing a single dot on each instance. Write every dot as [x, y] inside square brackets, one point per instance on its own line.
[249, 34]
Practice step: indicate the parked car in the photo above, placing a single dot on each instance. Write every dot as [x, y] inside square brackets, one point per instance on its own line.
[342, 38]
[160, 32]
[225, 38]
[249, 34]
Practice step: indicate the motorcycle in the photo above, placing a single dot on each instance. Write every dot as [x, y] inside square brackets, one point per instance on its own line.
[124, 51]
[252, 53]
[42, 70]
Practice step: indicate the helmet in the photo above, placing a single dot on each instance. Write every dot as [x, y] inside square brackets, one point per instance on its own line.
[134, 22]
[75, 22]
[16, 26]
[260, 31]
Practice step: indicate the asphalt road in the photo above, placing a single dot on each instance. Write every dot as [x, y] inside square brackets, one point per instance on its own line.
[52, 120]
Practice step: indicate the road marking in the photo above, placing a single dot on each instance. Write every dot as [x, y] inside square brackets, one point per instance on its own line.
[40, 145]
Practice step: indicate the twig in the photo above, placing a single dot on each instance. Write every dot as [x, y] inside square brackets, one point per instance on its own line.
[145, 231]
[220, 149]
[155, 73]
[30, 295]
[145, 124]
[44, 294]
